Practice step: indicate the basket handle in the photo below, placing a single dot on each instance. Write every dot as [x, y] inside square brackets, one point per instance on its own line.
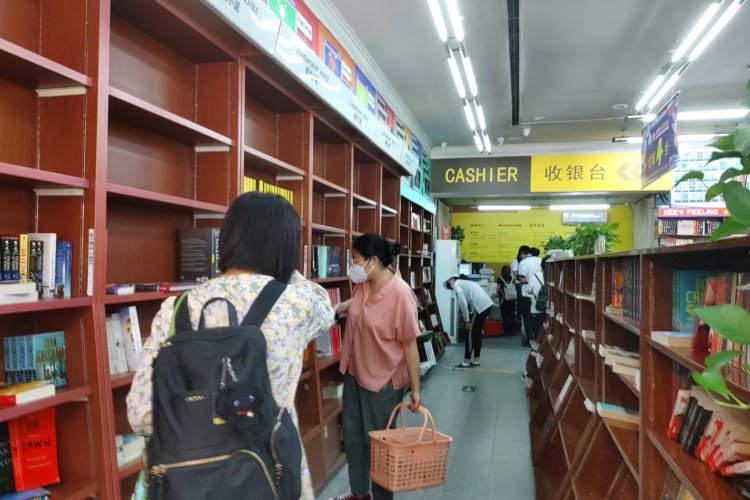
[425, 413]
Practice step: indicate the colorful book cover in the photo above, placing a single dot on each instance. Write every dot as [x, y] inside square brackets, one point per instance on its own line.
[23, 258]
[49, 358]
[688, 288]
[63, 271]
[33, 442]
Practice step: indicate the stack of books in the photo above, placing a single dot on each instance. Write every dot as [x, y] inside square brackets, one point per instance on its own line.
[33, 266]
[36, 357]
[123, 340]
[623, 362]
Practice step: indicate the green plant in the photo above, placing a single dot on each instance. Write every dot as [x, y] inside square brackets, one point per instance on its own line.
[457, 233]
[583, 239]
[555, 243]
[730, 320]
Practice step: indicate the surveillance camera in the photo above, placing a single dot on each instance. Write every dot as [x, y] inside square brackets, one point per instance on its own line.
[526, 131]
[500, 141]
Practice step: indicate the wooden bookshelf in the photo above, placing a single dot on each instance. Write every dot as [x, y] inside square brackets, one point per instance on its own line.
[600, 459]
[148, 114]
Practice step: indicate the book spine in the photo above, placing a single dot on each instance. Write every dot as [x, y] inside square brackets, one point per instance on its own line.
[31, 358]
[6, 358]
[23, 258]
[15, 259]
[21, 359]
[5, 255]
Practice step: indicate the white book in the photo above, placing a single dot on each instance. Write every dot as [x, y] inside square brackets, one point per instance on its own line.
[131, 336]
[629, 371]
[15, 293]
[111, 347]
[49, 254]
[117, 355]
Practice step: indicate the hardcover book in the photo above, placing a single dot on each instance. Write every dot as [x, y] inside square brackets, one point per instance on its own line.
[48, 358]
[33, 441]
[131, 333]
[63, 271]
[7, 483]
[199, 254]
[48, 250]
[688, 289]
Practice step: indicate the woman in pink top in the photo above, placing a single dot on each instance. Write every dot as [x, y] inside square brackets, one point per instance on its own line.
[379, 357]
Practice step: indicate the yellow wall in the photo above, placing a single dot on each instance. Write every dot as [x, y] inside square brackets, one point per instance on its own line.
[494, 237]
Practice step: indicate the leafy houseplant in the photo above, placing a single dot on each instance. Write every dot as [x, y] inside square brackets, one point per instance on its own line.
[583, 239]
[457, 233]
[731, 321]
[555, 243]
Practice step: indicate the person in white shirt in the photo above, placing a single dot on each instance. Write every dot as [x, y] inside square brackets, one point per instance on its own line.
[531, 276]
[474, 306]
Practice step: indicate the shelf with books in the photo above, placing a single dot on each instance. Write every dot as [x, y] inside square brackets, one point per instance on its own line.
[62, 397]
[130, 468]
[139, 297]
[130, 109]
[691, 472]
[627, 323]
[324, 362]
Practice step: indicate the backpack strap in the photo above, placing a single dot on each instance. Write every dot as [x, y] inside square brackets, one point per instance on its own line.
[180, 315]
[263, 303]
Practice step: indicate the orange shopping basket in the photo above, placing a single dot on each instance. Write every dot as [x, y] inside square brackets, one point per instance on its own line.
[410, 458]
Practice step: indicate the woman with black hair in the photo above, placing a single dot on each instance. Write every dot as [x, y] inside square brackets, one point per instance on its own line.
[379, 356]
[506, 290]
[259, 242]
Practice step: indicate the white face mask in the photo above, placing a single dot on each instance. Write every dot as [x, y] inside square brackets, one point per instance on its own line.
[357, 273]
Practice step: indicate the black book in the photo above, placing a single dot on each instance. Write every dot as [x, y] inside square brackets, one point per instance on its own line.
[315, 262]
[701, 421]
[689, 410]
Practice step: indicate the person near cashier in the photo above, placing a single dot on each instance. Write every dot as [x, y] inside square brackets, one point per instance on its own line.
[379, 356]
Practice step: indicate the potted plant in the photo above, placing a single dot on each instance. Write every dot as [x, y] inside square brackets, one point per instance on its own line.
[555, 243]
[457, 233]
[584, 238]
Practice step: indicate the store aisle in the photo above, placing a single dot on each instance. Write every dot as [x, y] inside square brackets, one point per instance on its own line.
[490, 456]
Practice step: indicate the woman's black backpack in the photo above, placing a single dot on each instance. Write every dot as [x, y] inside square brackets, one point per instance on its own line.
[218, 432]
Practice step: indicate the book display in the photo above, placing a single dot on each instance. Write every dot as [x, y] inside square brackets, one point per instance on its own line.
[633, 424]
[128, 128]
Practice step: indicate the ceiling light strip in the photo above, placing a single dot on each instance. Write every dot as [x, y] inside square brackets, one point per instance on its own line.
[469, 115]
[457, 80]
[650, 92]
[455, 18]
[699, 27]
[591, 206]
[503, 208]
[437, 18]
[716, 29]
[664, 89]
[478, 141]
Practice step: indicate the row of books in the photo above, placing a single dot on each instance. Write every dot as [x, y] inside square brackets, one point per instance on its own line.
[129, 448]
[623, 362]
[330, 344]
[123, 340]
[28, 454]
[326, 262]
[166, 286]
[717, 436]
[682, 227]
[33, 266]
[669, 241]
[35, 357]
[251, 184]
[626, 290]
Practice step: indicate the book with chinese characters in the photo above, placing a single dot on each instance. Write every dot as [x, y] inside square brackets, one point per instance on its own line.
[33, 441]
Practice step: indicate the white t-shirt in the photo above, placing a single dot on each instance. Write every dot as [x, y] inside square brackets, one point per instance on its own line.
[529, 267]
[514, 268]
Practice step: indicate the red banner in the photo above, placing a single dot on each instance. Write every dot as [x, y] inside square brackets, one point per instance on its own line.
[693, 212]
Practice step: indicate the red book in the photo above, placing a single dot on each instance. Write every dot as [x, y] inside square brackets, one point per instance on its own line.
[33, 444]
[700, 341]
[675, 422]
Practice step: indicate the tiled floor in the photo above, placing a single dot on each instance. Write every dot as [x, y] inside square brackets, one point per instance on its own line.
[489, 457]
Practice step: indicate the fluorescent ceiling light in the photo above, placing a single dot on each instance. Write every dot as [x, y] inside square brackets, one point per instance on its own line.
[470, 77]
[437, 17]
[469, 116]
[478, 141]
[650, 92]
[503, 208]
[456, 75]
[712, 114]
[455, 17]
[681, 138]
[480, 117]
[696, 31]
[592, 206]
[664, 89]
[487, 143]
[716, 29]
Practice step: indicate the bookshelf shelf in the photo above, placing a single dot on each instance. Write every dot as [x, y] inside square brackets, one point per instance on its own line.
[34, 71]
[37, 178]
[627, 441]
[164, 199]
[130, 469]
[122, 380]
[139, 297]
[322, 228]
[331, 409]
[356, 234]
[258, 160]
[320, 185]
[63, 396]
[587, 298]
[361, 201]
[45, 305]
[630, 383]
[627, 323]
[338, 279]
[131, 109]
[308, 431]
[590, 345]
[68, 491]
[692, 472]
[327, 361]
[389, 210]
[737, 380]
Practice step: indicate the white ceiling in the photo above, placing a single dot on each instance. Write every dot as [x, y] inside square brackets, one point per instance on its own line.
[578, 58]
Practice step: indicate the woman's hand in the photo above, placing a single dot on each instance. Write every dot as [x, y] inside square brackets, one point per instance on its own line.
[342, 307]
[416, 401]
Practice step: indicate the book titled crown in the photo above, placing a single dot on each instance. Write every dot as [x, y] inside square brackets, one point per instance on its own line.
[25, 392]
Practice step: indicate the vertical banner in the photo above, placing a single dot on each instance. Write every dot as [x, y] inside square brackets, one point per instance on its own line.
[659, 152]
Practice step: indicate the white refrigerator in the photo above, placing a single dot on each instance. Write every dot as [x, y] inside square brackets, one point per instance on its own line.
[447, 259]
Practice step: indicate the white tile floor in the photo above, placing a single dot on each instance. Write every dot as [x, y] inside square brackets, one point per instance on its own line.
[489, 457]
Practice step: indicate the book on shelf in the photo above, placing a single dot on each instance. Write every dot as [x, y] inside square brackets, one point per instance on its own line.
[129, 448]
[177, 286]
[672, 339]
[131, 333]
[618, 416]
[428, 296]
[7, 482]
[251, 184]
[631, 291]
[36, 357]
[25, 392]
[687, 227]
[120, 289]
[199, 254]
[563, 392]
[63, 269]
[689, 288]
[33, 442]
[326, 262]
[330, 344]
[9, 258]
[622, 358]
[16, 293]
[43, 257]
[616, 300]
[415, 221]
[588, 335]
[627, 371]
[33, 494]
[116, 345]
[413, 279]
[333, 391]
[434, 320]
